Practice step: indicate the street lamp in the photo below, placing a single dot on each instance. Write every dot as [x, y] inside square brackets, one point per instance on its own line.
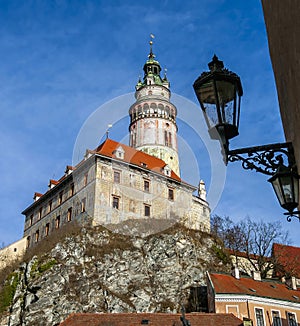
[219, 93]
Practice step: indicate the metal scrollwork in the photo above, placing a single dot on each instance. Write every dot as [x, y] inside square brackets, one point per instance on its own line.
[264, 159]
[294, 214]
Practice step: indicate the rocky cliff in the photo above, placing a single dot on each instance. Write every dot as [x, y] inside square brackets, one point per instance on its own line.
[96, 270]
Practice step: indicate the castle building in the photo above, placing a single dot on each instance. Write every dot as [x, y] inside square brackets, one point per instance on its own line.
[115, 183]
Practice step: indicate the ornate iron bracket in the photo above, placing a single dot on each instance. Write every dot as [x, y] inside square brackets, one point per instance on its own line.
[290, 215]
[264, 159]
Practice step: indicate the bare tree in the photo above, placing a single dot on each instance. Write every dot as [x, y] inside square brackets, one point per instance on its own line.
[251, 240]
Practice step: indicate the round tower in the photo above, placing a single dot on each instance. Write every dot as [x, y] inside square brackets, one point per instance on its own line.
[153, 128]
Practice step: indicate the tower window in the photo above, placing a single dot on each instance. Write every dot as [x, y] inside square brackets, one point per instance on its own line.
[116, 202]
[40, 213]
[170, 139]
[166, 138]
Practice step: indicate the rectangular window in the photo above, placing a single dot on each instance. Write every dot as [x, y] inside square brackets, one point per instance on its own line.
[115, 203]
[117, 177]
[50, 206]
[276, 318]
[83, 203]
[147, 210]
[40, 213]
[57, 222]
[72, 191]
[37, 235]
[28, 242]
[171, 194]
[259, 315]
[166, 138]
[31, 220]
[291, 317]
[85, 179]
[146, 185]
[170, 140]
[47, 228]
[69, 214]
[60, 198]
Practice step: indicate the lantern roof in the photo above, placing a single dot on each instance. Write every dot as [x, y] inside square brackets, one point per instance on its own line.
[218, 72]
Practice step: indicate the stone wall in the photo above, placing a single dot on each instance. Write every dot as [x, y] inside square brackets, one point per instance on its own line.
[180, 205]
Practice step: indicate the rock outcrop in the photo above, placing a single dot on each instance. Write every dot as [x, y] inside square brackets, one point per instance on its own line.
[97, 270]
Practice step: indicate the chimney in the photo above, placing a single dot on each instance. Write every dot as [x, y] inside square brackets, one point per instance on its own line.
[291, 282]
[256, 275]
[235, 272]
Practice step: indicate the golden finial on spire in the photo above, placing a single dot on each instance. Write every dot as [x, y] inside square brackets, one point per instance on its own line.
[151, 43]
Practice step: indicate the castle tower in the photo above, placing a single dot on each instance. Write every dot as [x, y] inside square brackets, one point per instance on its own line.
[153, 128]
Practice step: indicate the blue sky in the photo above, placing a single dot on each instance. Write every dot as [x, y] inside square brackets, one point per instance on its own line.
[61, 60]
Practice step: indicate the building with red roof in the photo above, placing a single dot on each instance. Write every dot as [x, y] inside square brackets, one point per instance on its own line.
[115, 183]
[287, 260]
[153, 319]
[265, 302]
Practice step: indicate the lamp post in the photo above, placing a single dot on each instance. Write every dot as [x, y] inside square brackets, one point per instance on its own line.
[219, 93]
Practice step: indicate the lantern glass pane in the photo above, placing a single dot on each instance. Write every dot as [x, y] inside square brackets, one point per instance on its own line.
[227, 95]
[278, 190]
[287, 188]
[207, 99]
[296, 189]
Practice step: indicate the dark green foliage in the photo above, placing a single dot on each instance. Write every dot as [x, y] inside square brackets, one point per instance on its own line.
[8, 291]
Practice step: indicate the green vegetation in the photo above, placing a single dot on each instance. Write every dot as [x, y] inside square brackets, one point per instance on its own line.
[39, 268]
[221, 254]
[8, 291]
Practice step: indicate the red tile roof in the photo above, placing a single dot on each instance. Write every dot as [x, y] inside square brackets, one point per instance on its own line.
[227, 284]
[288, 258]
[133, 156]
[154, 319]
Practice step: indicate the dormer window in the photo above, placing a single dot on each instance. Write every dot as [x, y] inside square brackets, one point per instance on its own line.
[87, 154]
[69, 169]
[52, 183]
[143, 164]
[119, 152]
[167, 171]
[37, 196]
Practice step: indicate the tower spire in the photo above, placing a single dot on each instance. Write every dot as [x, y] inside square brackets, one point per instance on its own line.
[151, 54]
[153, 128]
